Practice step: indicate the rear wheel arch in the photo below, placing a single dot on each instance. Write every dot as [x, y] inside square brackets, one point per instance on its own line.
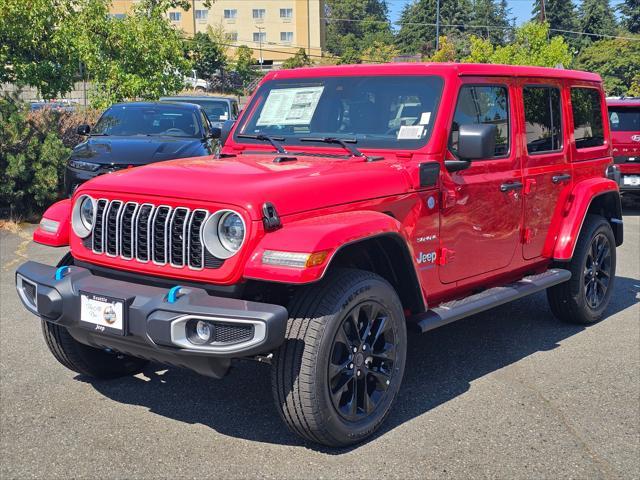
[386, 255]
[609, 206]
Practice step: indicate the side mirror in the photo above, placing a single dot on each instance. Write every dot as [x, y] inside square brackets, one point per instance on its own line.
[227, 126]
[215, 132]
[476, 141]
[83, 129]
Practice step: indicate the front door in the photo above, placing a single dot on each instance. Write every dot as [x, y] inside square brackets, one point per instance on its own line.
[481, 206]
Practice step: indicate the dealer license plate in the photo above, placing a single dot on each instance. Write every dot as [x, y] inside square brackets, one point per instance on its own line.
[631, 180]
[102, 313]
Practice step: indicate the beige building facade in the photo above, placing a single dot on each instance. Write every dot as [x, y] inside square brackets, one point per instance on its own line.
[277, 28]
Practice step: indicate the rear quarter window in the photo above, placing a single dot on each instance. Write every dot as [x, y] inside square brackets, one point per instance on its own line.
[588, 125]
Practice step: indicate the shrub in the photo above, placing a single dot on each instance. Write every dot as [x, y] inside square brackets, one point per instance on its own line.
[32, 159]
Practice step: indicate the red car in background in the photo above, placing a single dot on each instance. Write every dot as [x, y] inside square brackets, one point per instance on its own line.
[624, 117]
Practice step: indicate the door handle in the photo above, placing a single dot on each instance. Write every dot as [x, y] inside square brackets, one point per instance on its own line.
[561, 178]
[505, 187]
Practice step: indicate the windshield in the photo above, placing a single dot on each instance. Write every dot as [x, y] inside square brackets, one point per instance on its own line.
[375, 112]
[128, 120]
[625, 119]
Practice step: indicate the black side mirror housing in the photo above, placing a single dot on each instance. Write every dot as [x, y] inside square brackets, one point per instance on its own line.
[83, 129]
[215, 132]
[227, 126]
[476, 141]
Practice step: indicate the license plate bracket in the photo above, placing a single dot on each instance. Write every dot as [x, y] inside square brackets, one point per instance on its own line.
[103, 313]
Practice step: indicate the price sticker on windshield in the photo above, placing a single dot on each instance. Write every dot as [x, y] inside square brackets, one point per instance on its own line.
[410, 132]
[290, 106]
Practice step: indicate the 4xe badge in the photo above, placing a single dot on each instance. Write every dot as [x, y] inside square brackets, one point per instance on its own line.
[429, 257]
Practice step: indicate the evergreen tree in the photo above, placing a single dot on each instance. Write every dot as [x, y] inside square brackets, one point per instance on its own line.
[559, 14]
[630, 11]
[367, 23]
[492, 20]
[596, 16]
[417, 24]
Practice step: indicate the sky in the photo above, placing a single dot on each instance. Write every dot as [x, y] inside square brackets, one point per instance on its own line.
[520, 9]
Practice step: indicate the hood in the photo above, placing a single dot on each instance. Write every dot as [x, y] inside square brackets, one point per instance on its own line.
[247, 181]
[138, 150]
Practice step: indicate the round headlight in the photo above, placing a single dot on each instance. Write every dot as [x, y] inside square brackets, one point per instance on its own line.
[223, 233]
[231, 231]
[83, 216]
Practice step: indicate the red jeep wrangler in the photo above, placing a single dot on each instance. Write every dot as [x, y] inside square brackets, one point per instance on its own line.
[348, 204]
[624, 117]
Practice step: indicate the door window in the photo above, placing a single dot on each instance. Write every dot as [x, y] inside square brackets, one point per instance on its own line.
[485, 104]
[587, 117]
[542, 117]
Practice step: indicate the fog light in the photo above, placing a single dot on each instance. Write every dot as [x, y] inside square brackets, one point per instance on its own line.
[199, 332]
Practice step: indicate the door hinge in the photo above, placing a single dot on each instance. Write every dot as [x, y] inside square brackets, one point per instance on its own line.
[446, 256]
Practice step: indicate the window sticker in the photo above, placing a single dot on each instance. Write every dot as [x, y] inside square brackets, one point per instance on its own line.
[410, 132]
[224, 116]
[614, 118]
[290, 106]
[425, 118]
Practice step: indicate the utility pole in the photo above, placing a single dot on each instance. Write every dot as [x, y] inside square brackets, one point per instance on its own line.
[261, 60]
[437, 25]
[543, 14]
[193, 10]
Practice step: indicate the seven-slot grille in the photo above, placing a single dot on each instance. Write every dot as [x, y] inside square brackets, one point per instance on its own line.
[145, 232]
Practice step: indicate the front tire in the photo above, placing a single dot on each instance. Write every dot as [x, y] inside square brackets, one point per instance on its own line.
[339, 370]
[87, 360]
[585, 297]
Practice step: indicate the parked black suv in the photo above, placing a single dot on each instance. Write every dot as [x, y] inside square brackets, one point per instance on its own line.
[133, 134]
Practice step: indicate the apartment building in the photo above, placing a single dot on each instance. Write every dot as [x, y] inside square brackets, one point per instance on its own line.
[277, 29]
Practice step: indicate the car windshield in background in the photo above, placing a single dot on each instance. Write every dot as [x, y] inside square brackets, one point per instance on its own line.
[625, 119]
[156, 120]
[376, 112]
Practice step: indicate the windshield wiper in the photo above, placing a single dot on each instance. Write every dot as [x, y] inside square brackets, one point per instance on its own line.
[266, 138]
[98, 134]
[343, 142]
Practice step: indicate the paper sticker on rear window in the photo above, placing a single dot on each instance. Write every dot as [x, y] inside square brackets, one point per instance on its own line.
[425, 118]
[410, 132]
[290, 106]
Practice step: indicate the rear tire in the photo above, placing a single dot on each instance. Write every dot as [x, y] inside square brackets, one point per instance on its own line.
[339, 370]
[585, 297]
[86, 360]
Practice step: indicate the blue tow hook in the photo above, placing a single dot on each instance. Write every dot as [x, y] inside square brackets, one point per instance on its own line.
[173, 294]
[62, 271]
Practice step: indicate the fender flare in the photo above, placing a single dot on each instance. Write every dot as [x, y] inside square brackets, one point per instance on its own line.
[578, 204]
[327, 233]
[58, 212]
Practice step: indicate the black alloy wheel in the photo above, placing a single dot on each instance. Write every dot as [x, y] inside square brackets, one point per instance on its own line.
[597, 271]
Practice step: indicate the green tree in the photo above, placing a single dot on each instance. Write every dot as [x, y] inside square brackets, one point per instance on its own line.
[630, 11]
[492, 20]
[36, 47]
[616, 60]
[531, 46]
[244, 64]
[300, 59]
[417, 24]
[446, 51]
[596, 17]
[356, 24]
[206, 54]
[139, 56]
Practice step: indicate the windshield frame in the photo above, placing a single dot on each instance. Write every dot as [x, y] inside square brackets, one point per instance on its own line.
[261, 94]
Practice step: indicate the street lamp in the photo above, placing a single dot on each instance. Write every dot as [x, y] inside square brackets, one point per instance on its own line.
[261, 60]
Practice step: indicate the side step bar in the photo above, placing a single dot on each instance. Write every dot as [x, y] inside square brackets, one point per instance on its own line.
[457, 309]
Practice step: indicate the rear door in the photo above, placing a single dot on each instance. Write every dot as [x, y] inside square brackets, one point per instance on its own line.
[546, 166]
[481, 211]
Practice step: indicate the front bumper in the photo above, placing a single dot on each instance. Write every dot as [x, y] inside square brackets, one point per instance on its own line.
[154, 328]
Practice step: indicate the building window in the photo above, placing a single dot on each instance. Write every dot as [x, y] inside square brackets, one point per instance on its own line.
[587, 117]
[232, 36]
[259, 13]
[286, 37]
[484, 104]
[259, 37]
[118, 16]
[175, 16]
[543, 121]
[286, 13]
[202, 15]
[230, 14]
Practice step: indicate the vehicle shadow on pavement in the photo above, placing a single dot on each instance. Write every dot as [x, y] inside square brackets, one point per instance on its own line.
[440, 366]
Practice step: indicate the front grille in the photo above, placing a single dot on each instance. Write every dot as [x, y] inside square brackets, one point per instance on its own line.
[145, 232]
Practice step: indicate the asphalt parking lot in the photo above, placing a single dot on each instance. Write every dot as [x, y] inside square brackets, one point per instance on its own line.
[510, 393]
